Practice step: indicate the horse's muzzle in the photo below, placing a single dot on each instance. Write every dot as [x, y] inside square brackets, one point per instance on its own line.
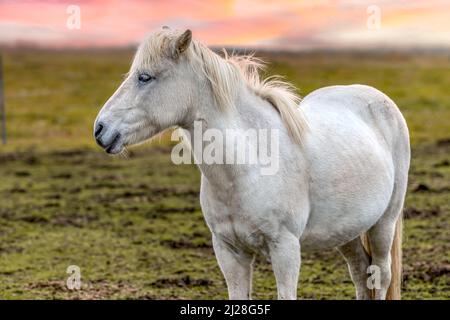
[104, 139]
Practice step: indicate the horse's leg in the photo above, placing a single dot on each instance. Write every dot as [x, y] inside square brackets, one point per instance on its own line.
[380, 237]
[285, 258]
[236, 268]
[358, 261]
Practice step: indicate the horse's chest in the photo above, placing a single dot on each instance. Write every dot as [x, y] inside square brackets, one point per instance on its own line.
[244, 219]
[238, 229]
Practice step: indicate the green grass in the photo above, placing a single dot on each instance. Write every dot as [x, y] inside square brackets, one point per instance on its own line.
[134, 226]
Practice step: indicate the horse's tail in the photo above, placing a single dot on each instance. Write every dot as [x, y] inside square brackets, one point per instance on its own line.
[394, 291]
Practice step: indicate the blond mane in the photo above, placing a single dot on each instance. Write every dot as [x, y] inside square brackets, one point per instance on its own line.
[226, 74]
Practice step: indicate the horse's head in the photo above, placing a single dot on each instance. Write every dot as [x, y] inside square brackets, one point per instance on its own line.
[156, 94]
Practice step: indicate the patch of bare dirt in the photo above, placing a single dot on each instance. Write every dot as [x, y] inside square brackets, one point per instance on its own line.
[93, 290]
[185, 281]
[183, 244]
[17, 190]
[62, 175]
[426, 271]
[70, 153]
[22, 173]
[411, 212]
[422, 187]
[33, 219]
[74, 220]
[443, 142]
[443, 163]
[9, 249]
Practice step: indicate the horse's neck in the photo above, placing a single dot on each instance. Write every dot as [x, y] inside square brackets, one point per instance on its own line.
[251, 112]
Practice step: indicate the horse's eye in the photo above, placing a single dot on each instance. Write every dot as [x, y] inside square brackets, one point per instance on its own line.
[144, 78]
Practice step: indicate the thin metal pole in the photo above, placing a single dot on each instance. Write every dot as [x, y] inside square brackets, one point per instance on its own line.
[2, 103]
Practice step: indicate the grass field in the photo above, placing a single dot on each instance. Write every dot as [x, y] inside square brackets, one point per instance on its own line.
[134, 226]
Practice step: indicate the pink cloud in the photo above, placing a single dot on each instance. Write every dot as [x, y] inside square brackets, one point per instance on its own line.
[285, 23]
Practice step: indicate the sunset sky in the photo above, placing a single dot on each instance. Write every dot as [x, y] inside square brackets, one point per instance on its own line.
[289, 24]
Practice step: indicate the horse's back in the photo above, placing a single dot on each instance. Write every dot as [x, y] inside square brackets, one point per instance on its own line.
[374, 108]
[358, 141]
[369, 104]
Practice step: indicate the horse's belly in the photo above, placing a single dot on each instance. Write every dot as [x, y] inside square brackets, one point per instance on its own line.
[326, 229]
[335, 221]
[351, 183]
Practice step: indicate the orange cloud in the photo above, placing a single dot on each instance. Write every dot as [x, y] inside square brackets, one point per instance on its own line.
[285, 23]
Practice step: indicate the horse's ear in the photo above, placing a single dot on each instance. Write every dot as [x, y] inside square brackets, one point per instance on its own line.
[182, 43]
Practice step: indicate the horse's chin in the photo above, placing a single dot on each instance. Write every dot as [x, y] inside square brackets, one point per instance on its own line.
[115, 148]
[114, 152]
[129, 141]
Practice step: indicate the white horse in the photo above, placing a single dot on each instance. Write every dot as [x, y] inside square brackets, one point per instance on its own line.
[343, 162]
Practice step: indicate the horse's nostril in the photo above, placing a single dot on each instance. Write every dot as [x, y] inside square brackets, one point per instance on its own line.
[98, 130]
